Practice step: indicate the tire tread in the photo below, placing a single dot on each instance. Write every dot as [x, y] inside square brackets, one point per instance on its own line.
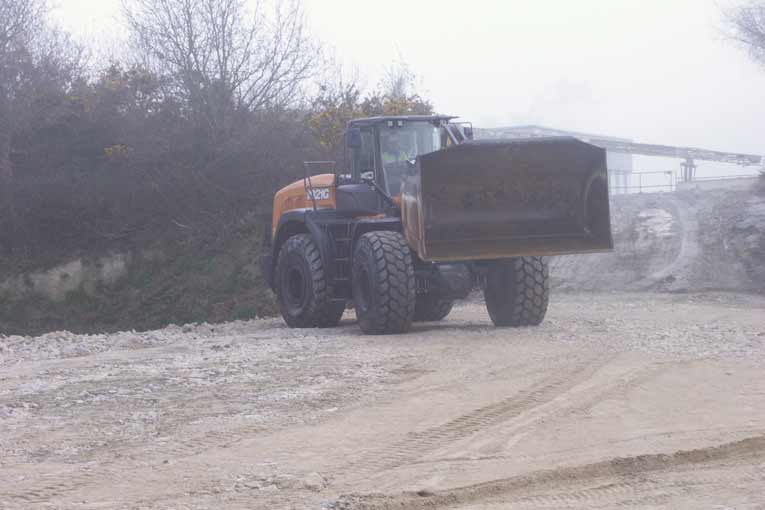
[517, 291]
[429, 308]
[394, 284]
[322, 310]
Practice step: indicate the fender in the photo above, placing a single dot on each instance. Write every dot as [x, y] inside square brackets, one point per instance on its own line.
[298, 221]
[364, 225]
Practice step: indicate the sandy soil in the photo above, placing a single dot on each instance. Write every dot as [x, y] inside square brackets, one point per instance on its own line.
[651, 401]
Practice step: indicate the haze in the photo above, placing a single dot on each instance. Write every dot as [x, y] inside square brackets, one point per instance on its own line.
[650, 70]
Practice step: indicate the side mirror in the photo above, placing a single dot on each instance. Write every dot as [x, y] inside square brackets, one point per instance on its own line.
[353, 138]
[468, 132]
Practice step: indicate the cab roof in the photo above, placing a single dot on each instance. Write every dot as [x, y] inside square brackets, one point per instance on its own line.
[410, 118]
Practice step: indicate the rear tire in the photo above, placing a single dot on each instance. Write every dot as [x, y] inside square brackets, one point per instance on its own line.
[383, 283]
[430, 308]
[517, 291]
[305, 298]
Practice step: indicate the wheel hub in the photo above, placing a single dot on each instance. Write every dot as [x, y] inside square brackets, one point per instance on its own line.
[295, 287]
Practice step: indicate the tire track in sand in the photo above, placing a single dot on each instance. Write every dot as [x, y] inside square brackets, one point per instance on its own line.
[522, 424]
[415, 444]
[520, 489]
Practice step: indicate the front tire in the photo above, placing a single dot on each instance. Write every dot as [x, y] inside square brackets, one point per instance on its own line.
[305, 298]
[383, 283]
[517, 291]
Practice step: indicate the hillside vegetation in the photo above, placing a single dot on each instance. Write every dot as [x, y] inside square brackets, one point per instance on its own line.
[139, 194]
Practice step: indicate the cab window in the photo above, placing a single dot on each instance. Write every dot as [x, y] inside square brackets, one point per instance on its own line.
[364, 157]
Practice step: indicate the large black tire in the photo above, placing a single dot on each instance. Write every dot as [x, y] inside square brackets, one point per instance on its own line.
[430, 308]
[517, 291]
[305, 299]
[383, 283]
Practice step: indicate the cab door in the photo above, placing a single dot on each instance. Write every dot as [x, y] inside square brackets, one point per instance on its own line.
[363, 164]
[357, 198]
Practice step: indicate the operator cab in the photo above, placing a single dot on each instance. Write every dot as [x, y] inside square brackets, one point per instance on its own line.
[384, 151]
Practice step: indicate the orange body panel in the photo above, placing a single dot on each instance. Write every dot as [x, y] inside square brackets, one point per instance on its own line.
[296, 196]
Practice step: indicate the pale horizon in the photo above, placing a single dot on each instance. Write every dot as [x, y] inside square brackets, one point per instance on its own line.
[651, 71]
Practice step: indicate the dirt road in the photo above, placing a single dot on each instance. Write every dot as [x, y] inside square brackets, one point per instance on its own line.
[653, 401]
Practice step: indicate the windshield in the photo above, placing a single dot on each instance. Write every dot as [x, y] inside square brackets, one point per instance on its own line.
[401, 144]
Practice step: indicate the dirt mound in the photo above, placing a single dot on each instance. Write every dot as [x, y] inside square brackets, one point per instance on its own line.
[535, 488]
[211, 275]
[690, 240]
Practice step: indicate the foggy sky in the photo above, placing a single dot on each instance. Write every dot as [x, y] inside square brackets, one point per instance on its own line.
[656, 71]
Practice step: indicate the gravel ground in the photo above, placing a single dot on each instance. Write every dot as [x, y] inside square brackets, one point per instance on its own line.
[653, 400]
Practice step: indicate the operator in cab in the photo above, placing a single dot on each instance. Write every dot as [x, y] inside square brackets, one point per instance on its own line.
[395, 147]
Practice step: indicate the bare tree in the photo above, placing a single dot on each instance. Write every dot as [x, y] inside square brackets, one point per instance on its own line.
[396, 94]
[37, 67]
[746, 25]
[222, 56]
[19, 23]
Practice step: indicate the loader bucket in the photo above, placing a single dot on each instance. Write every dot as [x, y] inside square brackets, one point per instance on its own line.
[492, 199]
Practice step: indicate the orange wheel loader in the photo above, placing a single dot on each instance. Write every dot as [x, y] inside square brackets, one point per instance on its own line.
[422, 214]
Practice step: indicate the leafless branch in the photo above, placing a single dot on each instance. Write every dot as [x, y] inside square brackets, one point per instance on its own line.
[222, 56]
[746, 26]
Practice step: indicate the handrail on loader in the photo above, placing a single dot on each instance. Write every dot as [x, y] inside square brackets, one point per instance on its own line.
[307, 178]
